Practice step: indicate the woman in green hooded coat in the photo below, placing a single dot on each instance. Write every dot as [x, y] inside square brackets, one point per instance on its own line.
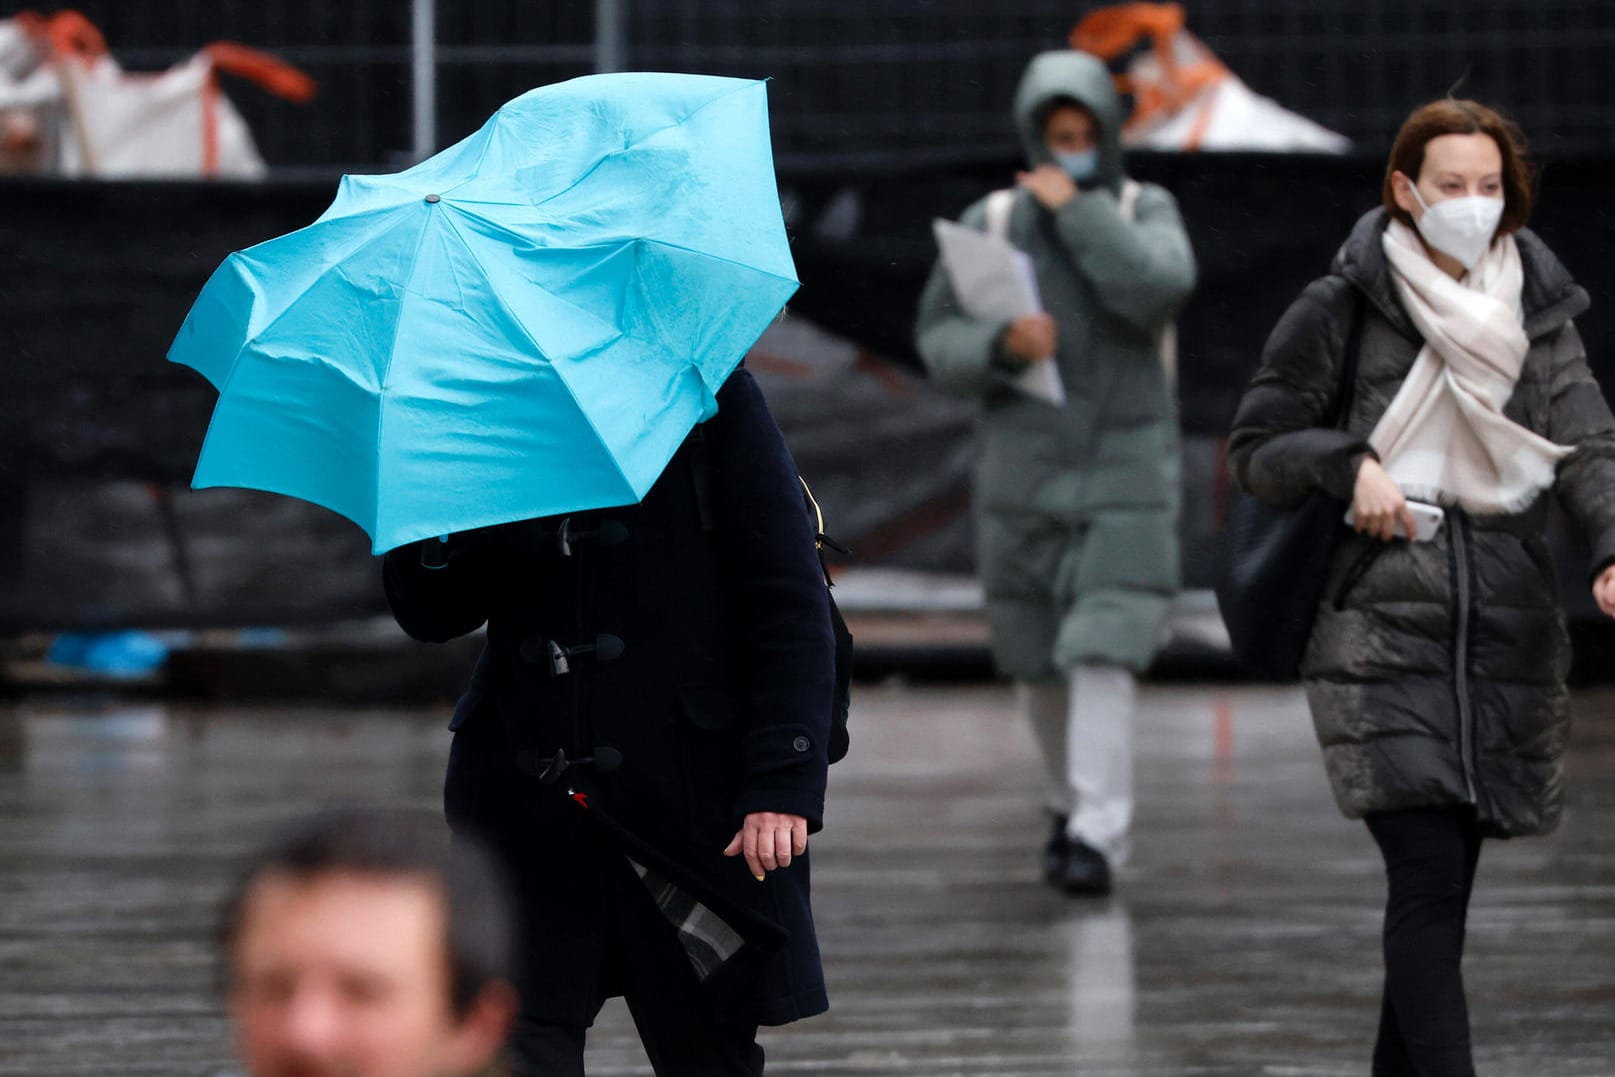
[1077, 504]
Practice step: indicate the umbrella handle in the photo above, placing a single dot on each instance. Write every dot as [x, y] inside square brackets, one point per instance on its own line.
[435, 553]
[604, 760]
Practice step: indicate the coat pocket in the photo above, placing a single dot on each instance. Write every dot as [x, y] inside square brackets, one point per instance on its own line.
[712, 708]
[713, 768]
[1357, 570]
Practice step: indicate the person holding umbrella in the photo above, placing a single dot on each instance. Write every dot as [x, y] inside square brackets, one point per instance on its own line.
[517, 366]
[668, 664]
[1435, 669]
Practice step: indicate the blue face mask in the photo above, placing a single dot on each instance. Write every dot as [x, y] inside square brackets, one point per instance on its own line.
[1080, 166]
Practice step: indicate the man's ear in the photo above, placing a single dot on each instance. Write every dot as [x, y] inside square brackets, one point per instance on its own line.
[482, 1031]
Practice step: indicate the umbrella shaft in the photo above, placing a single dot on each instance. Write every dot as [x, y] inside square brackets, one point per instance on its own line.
[610, 35]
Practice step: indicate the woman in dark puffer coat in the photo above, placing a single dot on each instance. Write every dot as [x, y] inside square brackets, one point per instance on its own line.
[1435, 672]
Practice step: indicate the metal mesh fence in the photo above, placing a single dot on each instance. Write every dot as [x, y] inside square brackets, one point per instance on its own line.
[890, 81]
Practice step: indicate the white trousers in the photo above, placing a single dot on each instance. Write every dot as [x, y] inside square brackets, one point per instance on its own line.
[1084, 728]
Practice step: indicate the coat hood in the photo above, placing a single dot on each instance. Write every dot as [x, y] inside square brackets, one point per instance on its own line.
[1084, 79]
[1550, 297]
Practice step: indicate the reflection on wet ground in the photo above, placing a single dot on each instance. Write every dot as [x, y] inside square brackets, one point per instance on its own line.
[1243, 938]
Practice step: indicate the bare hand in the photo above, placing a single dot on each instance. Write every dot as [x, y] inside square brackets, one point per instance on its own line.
[1049, 184]
[1604, 591]
[1377, 503]
[768, 840]
[1031, 337]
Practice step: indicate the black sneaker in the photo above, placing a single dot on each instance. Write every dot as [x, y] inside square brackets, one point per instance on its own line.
[1054, 852]
[1085, 873]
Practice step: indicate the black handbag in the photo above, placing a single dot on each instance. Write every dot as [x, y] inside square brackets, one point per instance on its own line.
[1275, 561]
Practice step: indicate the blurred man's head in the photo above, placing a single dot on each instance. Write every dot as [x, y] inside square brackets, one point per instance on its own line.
[365, 944]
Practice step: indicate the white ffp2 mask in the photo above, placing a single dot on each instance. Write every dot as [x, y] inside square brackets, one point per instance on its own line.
[1460, 227]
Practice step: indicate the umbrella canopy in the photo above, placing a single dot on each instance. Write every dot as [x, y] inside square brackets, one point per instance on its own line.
[528, 323]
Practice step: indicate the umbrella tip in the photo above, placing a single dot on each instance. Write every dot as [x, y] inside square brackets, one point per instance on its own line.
[432, 198]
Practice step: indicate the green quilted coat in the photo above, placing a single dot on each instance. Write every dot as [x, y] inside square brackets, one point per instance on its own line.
[1076, 506]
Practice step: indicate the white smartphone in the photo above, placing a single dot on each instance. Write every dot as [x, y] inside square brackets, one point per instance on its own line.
[1427, 520]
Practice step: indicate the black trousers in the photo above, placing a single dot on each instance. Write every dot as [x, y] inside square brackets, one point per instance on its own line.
[677, 1026]
[540, 1050]
[1430, 859]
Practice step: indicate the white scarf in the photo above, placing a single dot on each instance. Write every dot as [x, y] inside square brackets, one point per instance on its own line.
[1444, 437]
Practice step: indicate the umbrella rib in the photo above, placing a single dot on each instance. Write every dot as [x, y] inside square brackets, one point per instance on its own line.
[587, 418]
[235, 367]
[235, 363]
[459, 207]
[647, 136]
[387, 370]
[713, 258]
[719, 258]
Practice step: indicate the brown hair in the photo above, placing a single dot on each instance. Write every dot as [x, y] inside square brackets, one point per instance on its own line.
[1454, 117]
[479, 917]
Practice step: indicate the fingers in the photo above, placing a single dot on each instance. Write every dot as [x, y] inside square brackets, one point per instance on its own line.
[749, 847]
[1410, 526]
[773, 842]
[1378, 525]
[1045, 335]
[769, 841]
[767, 846]
[781, 846]
[744, 843]
[1604, 593]
[1049, 185]
[1031, 337]
[1378, 504]
[1381, 523]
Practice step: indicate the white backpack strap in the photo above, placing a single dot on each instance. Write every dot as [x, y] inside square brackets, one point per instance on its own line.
[999, 205]
[1129, 198]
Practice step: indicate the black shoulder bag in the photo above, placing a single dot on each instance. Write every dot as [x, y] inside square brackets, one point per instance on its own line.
[1275, 561]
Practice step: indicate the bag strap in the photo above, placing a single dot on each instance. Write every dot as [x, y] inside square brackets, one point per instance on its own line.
[1128, 202]
[701, 476]
[999, 205]
[1348, 367]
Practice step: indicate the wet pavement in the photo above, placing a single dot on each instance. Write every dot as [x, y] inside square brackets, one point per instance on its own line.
[1243, 938]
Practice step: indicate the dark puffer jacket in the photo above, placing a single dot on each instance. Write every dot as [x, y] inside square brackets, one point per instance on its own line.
[1435, 672]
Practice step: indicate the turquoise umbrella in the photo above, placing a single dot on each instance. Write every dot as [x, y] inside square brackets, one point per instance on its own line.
[528, 323]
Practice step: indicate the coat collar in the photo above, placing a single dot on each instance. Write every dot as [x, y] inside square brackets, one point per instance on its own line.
[1550, 298]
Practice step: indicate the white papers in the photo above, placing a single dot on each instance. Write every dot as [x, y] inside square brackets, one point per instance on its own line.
[996, 283]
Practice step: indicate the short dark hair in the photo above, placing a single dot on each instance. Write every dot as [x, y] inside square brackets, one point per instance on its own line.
[1451, 116]
[1054, 104]
[478, 912]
